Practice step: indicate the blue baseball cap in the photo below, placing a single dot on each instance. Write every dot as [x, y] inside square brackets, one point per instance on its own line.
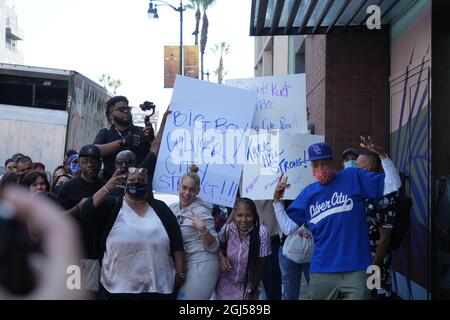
[318, 151]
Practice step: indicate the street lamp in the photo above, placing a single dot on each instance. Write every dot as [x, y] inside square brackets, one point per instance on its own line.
[153, 14]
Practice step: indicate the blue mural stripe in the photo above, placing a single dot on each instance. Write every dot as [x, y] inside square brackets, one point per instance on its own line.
[402, 110]
[395, 287]
[417, 241]
[401, 253]
[425, 165]
[422, 107]
[412, 108]
[421, 190]
[419, 133]
[423, 137]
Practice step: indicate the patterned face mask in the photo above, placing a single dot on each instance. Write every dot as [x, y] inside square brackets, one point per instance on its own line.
[74, 168]
[137, 189]
[323, 174]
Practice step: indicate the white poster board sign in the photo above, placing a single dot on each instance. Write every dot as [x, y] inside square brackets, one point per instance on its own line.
[207, 127]
[281, 103]
[285, 153]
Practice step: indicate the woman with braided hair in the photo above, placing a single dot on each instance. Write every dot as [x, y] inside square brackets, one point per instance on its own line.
[245, 244]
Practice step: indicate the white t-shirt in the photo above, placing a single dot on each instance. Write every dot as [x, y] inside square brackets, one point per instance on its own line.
[137, 257]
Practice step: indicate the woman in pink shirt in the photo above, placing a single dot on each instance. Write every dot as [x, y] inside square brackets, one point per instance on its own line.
[244, 245]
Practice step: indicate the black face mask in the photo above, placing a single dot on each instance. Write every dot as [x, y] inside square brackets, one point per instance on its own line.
[136, 189]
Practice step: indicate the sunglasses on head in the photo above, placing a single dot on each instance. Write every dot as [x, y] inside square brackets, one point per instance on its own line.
[124, 163]
[137, 170]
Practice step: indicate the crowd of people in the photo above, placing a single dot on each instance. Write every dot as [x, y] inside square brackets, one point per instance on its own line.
[138, 247]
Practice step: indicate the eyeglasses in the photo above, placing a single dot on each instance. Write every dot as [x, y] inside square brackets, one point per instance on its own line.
[123, 109]
[137, 170]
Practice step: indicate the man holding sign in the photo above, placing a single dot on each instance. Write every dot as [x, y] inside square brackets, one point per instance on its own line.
[333, 208]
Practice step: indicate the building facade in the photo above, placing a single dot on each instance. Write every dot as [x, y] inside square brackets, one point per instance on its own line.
[10, 36]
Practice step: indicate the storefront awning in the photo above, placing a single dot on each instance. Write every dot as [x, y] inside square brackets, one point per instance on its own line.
[297, 17]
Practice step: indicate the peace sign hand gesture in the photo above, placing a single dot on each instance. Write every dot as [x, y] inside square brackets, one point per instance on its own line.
[282, 185]
[197, 222]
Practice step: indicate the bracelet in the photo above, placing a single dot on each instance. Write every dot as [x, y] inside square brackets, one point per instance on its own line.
[180, 275]
[107, 191]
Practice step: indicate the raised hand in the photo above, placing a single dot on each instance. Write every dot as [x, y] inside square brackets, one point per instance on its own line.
[117, 181]
[366, 142]
[196, 221]
[281, 187]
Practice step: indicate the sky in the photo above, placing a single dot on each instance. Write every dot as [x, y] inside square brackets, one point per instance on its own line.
[117, 37]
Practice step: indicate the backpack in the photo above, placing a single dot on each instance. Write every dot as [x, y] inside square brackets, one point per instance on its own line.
[401, 221]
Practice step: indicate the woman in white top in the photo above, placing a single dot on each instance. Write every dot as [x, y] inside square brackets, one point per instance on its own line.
[199, 237]
[141, 250]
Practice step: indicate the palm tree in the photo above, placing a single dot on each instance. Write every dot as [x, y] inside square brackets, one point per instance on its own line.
[105, 79]
[223, 49]
[195, 5]
[115, 84]
[204, 33]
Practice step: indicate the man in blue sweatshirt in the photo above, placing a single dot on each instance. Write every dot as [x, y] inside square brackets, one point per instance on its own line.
[334, 210]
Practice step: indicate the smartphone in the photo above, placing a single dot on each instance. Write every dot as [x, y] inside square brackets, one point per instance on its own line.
[16, 246]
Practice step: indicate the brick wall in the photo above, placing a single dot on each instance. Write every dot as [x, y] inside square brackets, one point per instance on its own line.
[346, 76]
[315, 55]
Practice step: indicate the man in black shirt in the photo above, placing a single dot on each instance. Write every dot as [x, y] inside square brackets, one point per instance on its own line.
[73, 193]
[122, 135]
[380, 219]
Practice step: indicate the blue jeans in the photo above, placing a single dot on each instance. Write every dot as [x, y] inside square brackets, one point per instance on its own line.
[291, 276]
[272, 275]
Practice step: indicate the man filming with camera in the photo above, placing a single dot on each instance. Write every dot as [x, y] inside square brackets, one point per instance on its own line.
[122, 134]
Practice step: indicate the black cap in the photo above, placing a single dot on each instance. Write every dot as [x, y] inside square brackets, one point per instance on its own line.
[90, 151]
[352, 151]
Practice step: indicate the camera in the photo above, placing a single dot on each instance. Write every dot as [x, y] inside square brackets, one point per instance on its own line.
[146, 106]
[16, 246]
